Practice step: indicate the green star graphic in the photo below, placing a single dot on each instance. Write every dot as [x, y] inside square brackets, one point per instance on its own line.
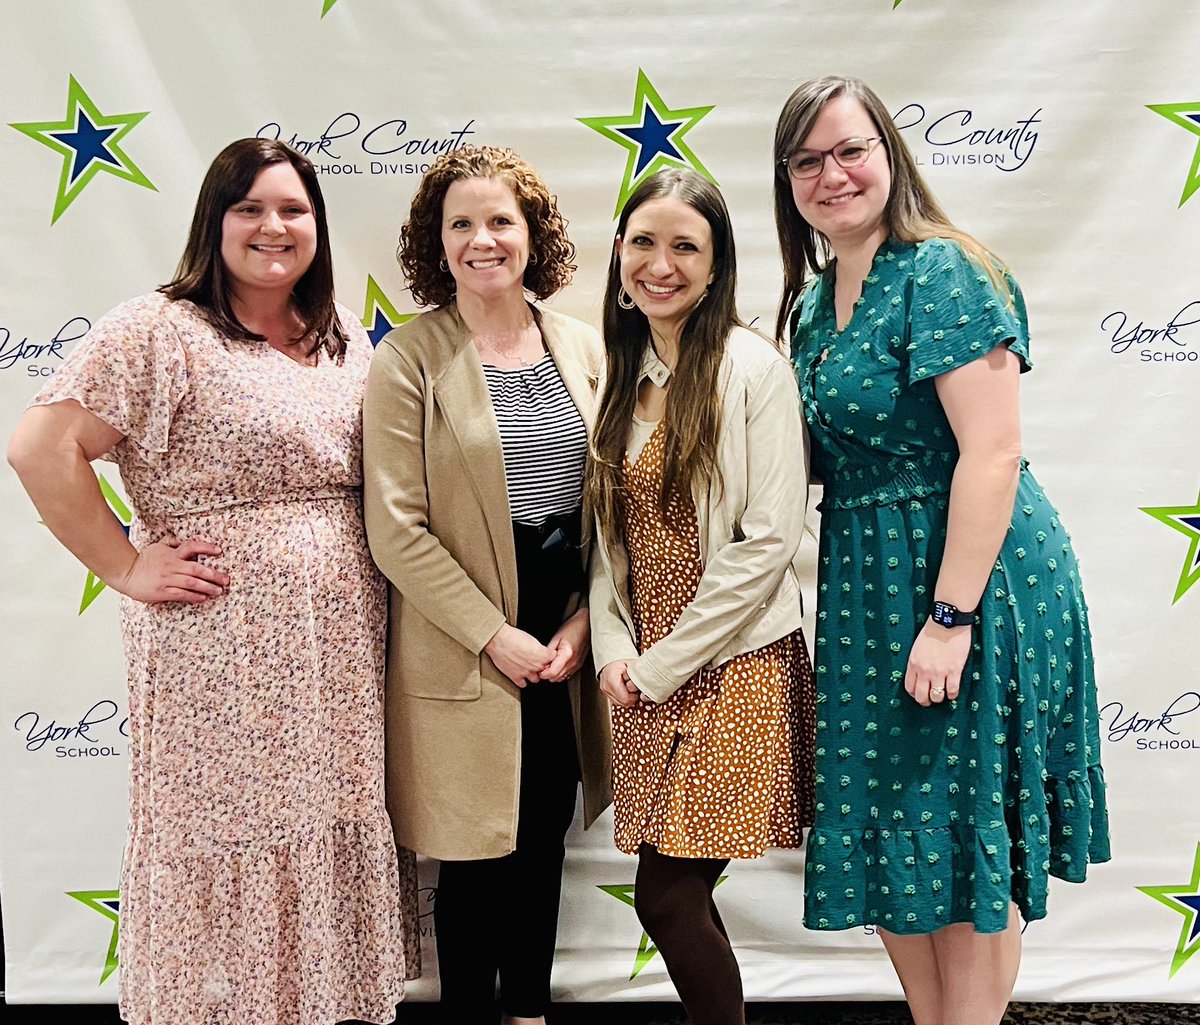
[1186, 115]
[94, 585]
[107, 903]
[1185, 519]
[379, 314]
[896, 3]
[646, 97]
[327, 7]
[107, 155]
[1189, 934]
[646, 950]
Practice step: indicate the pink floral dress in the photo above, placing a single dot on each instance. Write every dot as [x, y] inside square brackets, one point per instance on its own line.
[260, 882]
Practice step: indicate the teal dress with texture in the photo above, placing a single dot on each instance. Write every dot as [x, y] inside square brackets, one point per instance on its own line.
[931, 816]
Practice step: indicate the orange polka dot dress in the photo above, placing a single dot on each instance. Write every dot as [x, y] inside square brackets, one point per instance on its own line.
[722, 768]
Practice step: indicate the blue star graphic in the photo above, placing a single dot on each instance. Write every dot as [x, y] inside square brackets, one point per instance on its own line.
[1186, 116]
[653, 134]
[88, 142]
[108, 904]
[1186, 520]
[653, 137]
[379, 313]
[1183, 899]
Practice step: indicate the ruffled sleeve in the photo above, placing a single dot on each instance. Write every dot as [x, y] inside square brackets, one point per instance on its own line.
[130, 370]
[957, 314]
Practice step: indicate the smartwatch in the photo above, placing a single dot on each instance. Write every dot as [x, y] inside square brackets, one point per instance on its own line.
[947, 615]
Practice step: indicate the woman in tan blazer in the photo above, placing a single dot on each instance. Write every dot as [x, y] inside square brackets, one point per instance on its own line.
[476, 425]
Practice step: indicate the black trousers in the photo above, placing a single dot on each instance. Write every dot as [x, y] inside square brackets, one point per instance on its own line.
[500, 915]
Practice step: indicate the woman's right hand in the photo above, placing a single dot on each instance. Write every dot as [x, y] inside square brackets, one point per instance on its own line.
[168, 571]
[518, 655]
[616, 685]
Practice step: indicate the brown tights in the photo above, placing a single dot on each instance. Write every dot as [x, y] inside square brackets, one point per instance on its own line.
[673, 900]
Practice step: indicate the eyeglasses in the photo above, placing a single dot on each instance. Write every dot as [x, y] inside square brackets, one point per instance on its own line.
[808, 163]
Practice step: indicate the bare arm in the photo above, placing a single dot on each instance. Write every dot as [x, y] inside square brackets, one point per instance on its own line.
[51, 451]
[982, 403]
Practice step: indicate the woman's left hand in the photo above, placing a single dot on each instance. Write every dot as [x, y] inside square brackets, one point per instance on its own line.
[570, 644]
[935, 663]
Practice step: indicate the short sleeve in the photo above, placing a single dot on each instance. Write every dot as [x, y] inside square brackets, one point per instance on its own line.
[130, 370]
[957, 314]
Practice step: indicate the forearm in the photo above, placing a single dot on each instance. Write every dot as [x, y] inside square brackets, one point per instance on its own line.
[67, 496]
[982, 494]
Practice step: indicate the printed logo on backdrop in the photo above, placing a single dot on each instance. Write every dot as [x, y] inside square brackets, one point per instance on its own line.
[39, 358]
[965, 137]
[653, 136]
[88, 142]
[352, 145]
[1154, 341]
[100, 732]
[108, 904]
[1187, 116]
[1186, 520]
[379, 315]
[1174, 727]
[1184, 899]
[646, 949]
[327, 6]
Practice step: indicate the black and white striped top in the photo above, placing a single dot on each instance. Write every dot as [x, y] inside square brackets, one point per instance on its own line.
[544, 440]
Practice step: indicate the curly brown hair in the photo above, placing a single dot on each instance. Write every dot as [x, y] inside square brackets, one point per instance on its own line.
[420, 250]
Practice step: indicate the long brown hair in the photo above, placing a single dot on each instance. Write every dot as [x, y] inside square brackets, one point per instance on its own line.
[911, 215]
[202, 277]
[692, 420]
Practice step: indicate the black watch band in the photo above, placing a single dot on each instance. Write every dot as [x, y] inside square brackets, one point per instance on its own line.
[947, 615]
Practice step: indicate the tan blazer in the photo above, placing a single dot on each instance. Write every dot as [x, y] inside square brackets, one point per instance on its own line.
[438, 524]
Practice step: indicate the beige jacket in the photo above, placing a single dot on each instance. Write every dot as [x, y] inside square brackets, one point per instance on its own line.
[438, 524]
[750, 532]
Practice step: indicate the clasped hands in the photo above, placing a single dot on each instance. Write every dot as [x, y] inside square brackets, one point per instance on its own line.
[524, 659]
[616, 685]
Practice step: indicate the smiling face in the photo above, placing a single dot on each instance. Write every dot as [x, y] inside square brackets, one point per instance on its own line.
[485, 238]
[666, 258]
[269, 236]
[846, 205]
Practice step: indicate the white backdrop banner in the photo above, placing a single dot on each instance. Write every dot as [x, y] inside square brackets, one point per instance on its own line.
[1066, 136]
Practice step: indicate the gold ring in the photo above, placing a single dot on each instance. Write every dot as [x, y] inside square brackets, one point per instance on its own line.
[936, 692]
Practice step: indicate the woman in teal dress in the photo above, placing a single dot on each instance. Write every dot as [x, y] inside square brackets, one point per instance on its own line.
[957, 735]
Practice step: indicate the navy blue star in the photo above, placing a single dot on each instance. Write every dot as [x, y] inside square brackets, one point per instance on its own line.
[1191, 901]
[653, 137]
[380, 327]
[88, 143]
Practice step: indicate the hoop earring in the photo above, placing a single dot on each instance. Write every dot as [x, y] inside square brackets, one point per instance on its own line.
[625, 300]
[533, 259]
[443, 266]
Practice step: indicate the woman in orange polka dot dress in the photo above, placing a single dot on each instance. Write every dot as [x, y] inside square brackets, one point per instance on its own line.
[699, 488]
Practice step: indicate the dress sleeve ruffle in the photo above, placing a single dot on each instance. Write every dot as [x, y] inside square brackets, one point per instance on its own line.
[957, 314]
[130, 370]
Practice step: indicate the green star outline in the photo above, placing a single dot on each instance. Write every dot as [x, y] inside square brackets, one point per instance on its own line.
[94, 585]
[646, 93]
[92, 899]
[377, 299]
[1189, 573]
[646, 949]
[1172, 112]
[1165, 895]
[39, 132]
[327, 7]
[896, 3]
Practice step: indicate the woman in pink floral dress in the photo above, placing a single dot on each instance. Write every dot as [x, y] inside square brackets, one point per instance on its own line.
[260, 881]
